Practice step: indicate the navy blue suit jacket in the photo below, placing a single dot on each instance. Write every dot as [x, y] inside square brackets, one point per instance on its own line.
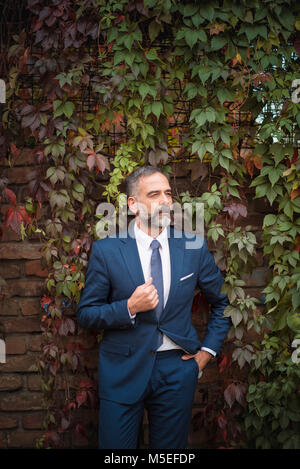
[127, 351]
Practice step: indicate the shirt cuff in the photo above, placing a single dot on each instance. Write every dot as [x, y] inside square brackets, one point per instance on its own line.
[132, 316]
[212, 352]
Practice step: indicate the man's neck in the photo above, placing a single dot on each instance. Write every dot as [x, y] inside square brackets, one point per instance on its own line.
[150, 231]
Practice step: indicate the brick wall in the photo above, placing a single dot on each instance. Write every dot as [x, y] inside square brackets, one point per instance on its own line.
[21, 412]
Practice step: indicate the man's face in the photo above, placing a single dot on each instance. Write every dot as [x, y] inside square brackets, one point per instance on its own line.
[152, 201]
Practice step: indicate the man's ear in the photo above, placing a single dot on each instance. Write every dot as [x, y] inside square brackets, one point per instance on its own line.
[132, 205]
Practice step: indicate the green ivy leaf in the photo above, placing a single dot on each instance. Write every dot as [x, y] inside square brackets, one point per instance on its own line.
[274, 175]
[191, 37]
[207, 12]
[218, 42]
[154, 30]
[68, 109]
[157, 108]
[269, 220]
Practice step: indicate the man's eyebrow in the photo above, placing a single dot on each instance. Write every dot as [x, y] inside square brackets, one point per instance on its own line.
[156, 191]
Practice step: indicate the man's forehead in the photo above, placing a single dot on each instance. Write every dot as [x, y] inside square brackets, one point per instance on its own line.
[157, 181]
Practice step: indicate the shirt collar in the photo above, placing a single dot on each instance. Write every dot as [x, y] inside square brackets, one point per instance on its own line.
[145, 240]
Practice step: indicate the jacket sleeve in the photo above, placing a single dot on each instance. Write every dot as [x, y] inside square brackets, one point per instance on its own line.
[210, 281]
[94, 311]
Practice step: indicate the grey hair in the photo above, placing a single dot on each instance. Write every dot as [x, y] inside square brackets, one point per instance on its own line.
[133, 179]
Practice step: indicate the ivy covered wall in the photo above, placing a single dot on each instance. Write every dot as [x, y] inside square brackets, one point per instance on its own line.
[206, 91]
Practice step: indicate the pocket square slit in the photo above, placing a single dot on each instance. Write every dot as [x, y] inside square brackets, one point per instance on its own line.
[187, 276]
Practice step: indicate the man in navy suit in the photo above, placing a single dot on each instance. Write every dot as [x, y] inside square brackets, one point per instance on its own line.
[139, 290]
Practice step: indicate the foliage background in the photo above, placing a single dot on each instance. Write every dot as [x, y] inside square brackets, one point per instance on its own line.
[97, 87]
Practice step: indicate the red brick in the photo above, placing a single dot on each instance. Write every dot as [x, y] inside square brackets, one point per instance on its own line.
[3, 441]
[34, 382]
[88, 416]
[198, 396]
[180, 169]
[35, 268]
[255, 220]
[257, 278]
[92, 358]
[9, 235]
[30, 306]
[21, 250]
[18, 175]
[26, 324]
[19, 363]
[9, 307]
[15, 345]
[33, 421]
[7, 422]
[10, 383]
[88, 341]
[255, 292]
[27, 439]
[35, 343]
[73, 381]
[24, 157]
[23, 287]
[260, 205]
[210, 375]
[9, 270]
[21, 402]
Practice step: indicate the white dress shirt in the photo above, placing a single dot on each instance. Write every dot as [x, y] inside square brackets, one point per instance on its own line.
[144, 241]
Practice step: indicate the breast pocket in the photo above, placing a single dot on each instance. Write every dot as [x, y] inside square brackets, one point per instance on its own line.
[186, 287]
[186, 277]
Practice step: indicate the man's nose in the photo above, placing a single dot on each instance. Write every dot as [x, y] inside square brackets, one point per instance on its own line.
[164, 199]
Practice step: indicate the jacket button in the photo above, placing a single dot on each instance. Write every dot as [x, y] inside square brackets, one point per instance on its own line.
[152, 352]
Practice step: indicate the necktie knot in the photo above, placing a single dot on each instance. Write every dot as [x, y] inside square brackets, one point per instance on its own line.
[155, 244]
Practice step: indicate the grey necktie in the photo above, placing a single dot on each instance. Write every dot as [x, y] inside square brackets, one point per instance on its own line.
[157, 280]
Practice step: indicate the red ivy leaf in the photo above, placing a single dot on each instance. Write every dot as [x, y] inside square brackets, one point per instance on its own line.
[14, 149]
[222, 420]
[225, 362]
[92, 396]
[224, 434]
[71, 406]
[79, 431]
[67, 325]
[241, 390]
[45, 301]
[15, 216]
[235, 210]
[76, 245]
[216, 29]
[91, 160]
[230, 394]
[87, 383]
[81, 397]
[10, 196]
[65, 423]
[53, 439]
[100, 162]
[257, 161]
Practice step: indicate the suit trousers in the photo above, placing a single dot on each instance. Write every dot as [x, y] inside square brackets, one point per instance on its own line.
[168, 400]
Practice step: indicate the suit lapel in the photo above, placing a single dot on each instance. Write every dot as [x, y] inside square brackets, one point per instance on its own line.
[176, 247]
[130, 254]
